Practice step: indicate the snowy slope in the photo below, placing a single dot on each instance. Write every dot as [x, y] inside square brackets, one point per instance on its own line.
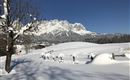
[83, 48]
[32, 67]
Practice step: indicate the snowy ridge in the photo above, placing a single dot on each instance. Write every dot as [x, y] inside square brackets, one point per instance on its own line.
[58, 26]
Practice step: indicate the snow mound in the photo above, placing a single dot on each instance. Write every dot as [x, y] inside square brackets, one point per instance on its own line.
[127, 55]
[127, 52]
[103, 59]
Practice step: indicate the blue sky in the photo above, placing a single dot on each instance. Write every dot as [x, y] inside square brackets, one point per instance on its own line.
[101, 16]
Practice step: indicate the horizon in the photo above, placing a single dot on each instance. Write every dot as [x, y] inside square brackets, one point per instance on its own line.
[102, 16]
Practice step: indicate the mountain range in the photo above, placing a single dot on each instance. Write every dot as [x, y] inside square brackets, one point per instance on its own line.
[60, 31]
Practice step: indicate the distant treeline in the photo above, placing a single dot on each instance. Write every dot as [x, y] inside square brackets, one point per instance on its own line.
[109, 38]
[100, 39]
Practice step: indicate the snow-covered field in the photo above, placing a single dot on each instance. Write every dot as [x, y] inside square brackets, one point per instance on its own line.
[32, 66]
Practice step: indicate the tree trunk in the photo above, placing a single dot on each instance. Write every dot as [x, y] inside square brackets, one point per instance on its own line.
[8, 62]
[10, 51]
[10, 42]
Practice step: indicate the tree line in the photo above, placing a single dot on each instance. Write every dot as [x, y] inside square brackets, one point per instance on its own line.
[109, 38]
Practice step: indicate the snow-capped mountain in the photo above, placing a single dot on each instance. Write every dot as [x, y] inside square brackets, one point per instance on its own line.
[57, 27]
[59, 31]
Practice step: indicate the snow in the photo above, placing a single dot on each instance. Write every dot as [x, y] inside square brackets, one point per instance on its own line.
[32, 67]
[5, 5]
[10, 29]
[74, 55]
[126, 52]
[24, 28]
[61, 55]
[91, 55]
[102, 59]
[3, 72]
[127, 55]
[58, 26]
[20, 49]
[34, 19]
[3, 16]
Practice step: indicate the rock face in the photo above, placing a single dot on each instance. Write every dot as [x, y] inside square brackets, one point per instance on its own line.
[60, 31]
[56, 27]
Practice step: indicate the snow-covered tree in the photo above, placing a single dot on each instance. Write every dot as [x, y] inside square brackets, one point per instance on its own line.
[10, 30]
